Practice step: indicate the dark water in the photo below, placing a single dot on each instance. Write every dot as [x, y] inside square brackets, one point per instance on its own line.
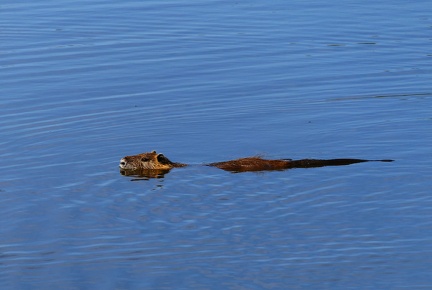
[86, 83]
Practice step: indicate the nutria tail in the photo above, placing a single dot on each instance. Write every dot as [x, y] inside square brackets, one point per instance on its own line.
[309, 163]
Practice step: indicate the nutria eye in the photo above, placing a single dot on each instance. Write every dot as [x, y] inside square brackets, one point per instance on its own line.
[145, 159]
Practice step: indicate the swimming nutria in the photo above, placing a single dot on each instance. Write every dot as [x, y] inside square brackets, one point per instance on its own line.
[157, 161]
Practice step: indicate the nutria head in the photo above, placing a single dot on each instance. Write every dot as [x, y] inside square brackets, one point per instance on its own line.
[149, 160]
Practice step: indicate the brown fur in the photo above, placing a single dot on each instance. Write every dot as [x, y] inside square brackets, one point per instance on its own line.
[155, 161]
[252, 164]
[149, 160]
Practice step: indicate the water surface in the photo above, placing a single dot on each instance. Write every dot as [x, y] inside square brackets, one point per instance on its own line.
[84, 84]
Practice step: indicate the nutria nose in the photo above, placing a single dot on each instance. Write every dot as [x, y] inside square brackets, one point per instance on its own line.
[122, 162]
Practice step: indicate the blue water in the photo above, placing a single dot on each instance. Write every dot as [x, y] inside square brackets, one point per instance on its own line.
[86, 83]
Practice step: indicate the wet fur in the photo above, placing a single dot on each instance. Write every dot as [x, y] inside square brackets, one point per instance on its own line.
[148, 161]
[155, 161]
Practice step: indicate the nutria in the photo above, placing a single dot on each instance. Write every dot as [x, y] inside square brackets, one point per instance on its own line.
[152, 161]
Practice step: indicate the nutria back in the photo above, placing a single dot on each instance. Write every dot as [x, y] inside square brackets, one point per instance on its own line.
[252, 164]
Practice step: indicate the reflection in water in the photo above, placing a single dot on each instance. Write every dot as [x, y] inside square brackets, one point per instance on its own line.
[145, 173]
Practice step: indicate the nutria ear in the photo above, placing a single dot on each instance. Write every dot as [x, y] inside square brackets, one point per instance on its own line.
[162, 159]
[154, 151]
